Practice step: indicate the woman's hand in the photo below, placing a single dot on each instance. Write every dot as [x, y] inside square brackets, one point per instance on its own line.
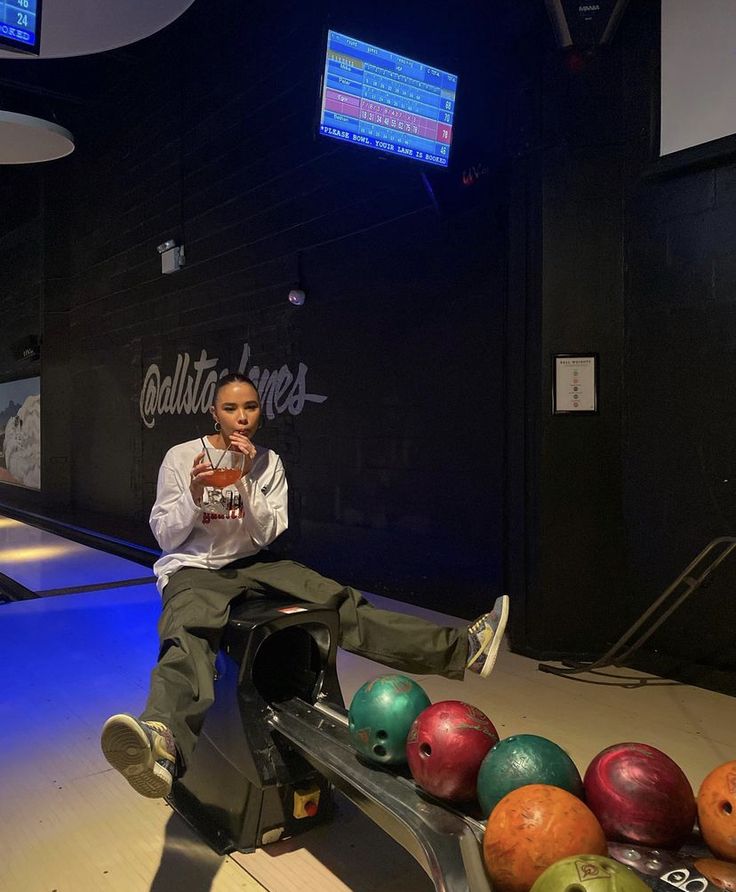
[244, 444]
[200, 473]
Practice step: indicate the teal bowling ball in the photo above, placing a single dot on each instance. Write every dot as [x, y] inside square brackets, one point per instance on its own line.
[525, 759]
[381, 714]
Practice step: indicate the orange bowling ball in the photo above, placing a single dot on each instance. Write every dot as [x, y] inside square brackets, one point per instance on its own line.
[721, 873]
[533, 827]
[717, 811]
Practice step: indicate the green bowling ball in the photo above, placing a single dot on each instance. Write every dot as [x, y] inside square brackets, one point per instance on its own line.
[380, 715]
[592, 873]
[525, 759]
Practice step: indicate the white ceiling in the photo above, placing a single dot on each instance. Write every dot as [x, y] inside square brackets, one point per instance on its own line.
[81, 27]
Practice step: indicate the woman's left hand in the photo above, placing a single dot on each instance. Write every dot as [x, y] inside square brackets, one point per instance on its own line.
[244, 444]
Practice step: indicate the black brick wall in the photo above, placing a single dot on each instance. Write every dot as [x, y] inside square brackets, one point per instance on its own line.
[619, 257]
[21, 266]
[207, 137]
[434, 470]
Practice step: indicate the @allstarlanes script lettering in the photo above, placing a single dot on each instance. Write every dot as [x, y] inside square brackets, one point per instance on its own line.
[191, 388]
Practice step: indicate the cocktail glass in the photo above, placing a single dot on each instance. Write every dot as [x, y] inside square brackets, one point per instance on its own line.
[227, 468]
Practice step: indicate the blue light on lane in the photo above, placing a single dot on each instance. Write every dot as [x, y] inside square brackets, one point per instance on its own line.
[67, 664]
[40, 561]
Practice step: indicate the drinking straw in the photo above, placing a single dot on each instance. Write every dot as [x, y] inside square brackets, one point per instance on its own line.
[207, 453]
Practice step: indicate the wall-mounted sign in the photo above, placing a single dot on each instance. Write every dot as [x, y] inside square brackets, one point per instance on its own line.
[575, 383]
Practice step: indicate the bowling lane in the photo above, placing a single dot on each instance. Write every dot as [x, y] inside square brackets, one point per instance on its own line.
[67, 820]
[47, 563]
[70, 663]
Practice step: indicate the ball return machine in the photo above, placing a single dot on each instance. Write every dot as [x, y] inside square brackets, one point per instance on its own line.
[275, 746]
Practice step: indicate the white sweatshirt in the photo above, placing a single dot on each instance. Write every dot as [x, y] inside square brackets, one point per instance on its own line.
[192, 535]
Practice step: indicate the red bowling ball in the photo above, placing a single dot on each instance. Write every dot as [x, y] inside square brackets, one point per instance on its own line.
[640, 795]
[446, 744]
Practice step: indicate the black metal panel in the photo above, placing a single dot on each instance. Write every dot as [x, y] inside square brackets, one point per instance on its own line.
[238, 792]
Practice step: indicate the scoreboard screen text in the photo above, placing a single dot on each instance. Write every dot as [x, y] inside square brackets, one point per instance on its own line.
[19, 24]
[381, 100]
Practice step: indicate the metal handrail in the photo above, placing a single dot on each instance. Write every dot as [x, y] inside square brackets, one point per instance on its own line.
[622, 650]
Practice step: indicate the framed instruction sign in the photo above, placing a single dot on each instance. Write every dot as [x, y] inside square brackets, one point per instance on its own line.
[575, 383]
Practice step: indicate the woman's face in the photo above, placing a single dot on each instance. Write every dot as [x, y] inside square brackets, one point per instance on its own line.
[237, 409]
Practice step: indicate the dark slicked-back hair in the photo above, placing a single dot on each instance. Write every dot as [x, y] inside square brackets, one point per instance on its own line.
[234, 378]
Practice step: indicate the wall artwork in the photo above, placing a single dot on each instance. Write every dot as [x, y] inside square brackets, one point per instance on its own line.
[20, 432]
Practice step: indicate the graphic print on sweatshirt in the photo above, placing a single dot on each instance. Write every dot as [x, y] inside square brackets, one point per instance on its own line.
[233, 507]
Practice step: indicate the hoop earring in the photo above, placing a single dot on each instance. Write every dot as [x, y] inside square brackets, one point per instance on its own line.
[217, 427]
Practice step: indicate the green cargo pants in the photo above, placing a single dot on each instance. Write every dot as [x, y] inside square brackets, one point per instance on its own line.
[196, 608]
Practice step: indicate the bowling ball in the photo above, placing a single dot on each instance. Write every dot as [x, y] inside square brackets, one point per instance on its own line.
[380, 715]
[445, 746]
[640, 795]
[717, 811]
[525, 759]
[592, 873]
[720, 873]
[533, 827]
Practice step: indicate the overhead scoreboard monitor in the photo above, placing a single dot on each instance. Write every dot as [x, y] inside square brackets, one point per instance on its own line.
[20, 25]
[381, 100]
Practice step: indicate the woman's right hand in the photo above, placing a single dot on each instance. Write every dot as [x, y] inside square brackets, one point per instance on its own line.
[201, 471]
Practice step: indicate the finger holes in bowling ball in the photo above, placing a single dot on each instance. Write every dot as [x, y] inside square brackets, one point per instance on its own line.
[726, 808]
[575, 888]
[425, 750]
[379, 751]
[381, 735]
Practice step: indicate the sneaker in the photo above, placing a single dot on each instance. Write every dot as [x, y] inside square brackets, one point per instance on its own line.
[484, 638]
[143, 752]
